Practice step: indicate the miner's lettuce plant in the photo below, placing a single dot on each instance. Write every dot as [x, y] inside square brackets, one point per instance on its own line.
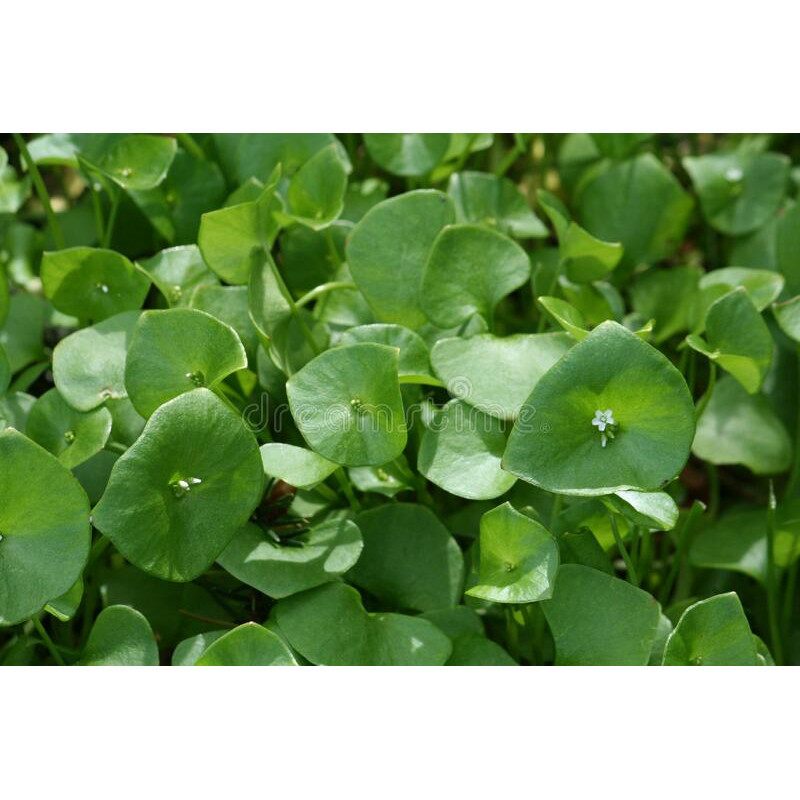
[399, 399]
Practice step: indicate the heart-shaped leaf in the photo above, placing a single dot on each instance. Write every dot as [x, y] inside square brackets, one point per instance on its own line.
[347, 404]
[120, 637]
[92, 284]
[613, 414]
[44, 528]
[179, 494]
[469, 270]
[461, 451]
[175, 351]
[249, 645]
[410, 560]
[598, 619]
[407, 153]
[497, 374]
[518, 558]
[312, 558]
[177, 272]
[388, 249]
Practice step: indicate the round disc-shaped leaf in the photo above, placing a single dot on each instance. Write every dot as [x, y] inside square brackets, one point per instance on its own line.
[566, 441]
[89, 365]
[316, 190]
[597, 619]
[177, 272]
[227, 238]
[72, 436]
[120, 637]
[497, 374]
[314, 557]
[44, 528]
[309, 619]
[487, 199]
[461, 453]
[413, 359]
[295, 465]
[91, 283]
[388, 249]
[713, 632]
[469, 270]
[176, 498]
[738, 428]
[739, 192]
[518, 558]
[175, 351]
[407, 153]
[410, 560]
[347, 404]
[139, 161]
[249, 645]
[737, 338]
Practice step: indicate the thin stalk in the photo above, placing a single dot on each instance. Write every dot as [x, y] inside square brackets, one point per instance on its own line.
[772, 581]
[326, 492]
[703, 402]
[112, 218]
[677, 561]
[550, 290]
[48, 642]
[511, 156]
[633, 577]
[98, 548]
[462, 159]
[115, 447]
[295, 311]
[190, 146]
[555, 511]
[794, 475]
[323, 289]
[344, 483]
[41, 190]
[713, 490]
[788, 594]
[334, 253]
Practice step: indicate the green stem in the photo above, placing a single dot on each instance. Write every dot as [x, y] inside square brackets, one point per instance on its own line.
[633, 577]
[794, 475]
[334, 253]
[713, 490]
[511, 156]
[788, 596]
[326, 492]
[48, 642]
[98, 548]
[550, 291]
[190, 145]
[344, 483]
[677, 561]
[115, 447]
[703, 402]
[462, 159]
[41, 190]
[555, 511]
[322, 289]
[295, 311]
[112, 218]
[772, 581]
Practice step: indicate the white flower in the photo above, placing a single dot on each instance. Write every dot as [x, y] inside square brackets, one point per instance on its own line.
[603, 418]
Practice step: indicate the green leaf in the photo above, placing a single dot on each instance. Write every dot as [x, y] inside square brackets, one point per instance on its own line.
[518, 558]
[739, 191]
[388, 249]
[328, 625]
[565, 315]
[597, 619]
[175, 351]
[249, 645]
[44, 525]
[314, 557]
[473, 650]
[177, 272]
[407, 153]
[413, 365]
[295, 465]
[461, 453]
[557, 445]
[712, 632]
[787, 315]
[646, 509]
[388, 479]
[469, 270]
[347, 404]
[670, 297]
[619, 145]
[497, 374]
[762, 286]
[640, 204]
[65, 607]
[737, 339]
[176, 498]
[72, 436]
[486, 199]
[738, 428]
[89, 365]
[189, 650]
[316, 191]
[94, 284]
[120, 637]
[410, 560]
[139, 161]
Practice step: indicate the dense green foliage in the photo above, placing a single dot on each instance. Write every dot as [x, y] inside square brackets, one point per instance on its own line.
[399, 399]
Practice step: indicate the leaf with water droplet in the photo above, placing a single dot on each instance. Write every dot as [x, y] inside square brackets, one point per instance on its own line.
[193, 437]
[177, 272]
[140, 161]
[175, 351]
[44, 524]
